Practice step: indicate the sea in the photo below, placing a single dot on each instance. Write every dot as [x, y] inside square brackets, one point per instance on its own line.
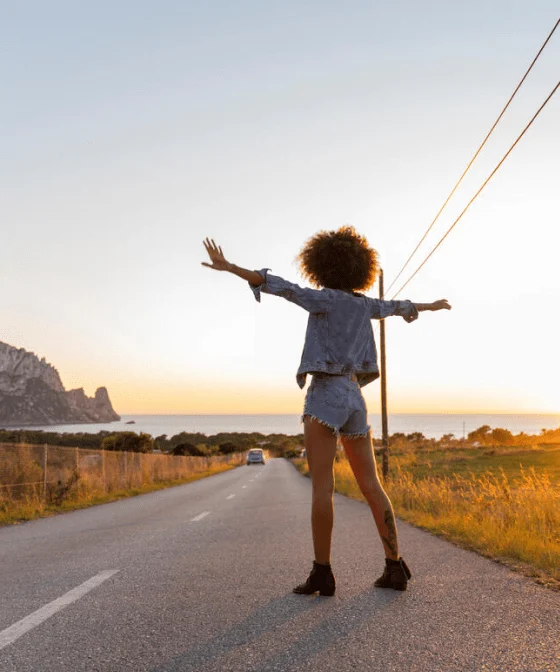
[432, 425]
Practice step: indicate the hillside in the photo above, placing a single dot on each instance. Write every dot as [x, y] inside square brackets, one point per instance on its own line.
[31, 393]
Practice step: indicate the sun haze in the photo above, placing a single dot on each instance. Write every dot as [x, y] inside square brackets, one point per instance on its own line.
[133, 132]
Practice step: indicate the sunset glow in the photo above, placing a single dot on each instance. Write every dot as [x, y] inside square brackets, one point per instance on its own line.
[259, 134]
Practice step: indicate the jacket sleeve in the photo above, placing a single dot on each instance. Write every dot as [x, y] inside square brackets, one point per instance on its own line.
[380, 309]
[311, 300]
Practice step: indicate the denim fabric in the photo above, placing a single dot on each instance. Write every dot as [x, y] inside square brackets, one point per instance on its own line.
[339, 337]
[337, 401]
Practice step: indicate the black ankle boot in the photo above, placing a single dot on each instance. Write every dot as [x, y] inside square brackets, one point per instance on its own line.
[320, 580]
[396, 575]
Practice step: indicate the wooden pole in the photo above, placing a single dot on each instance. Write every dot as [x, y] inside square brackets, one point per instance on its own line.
[45, 466]
[384, 420]
[103, 470]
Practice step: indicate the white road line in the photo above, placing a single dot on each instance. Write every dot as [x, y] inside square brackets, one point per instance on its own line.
[230, 496]
[200, 516]
[26, 624]
[243, 486]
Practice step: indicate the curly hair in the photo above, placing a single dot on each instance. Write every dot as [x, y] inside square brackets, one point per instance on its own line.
[340, 259]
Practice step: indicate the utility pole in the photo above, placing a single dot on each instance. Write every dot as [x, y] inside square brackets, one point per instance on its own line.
[384, 423]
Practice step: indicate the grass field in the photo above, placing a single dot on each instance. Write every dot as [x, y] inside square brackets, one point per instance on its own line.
[501, 502]
[511, 460]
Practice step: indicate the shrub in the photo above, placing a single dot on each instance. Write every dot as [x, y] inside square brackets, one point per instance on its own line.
[229, 447]
[188, 449]
[128, 442]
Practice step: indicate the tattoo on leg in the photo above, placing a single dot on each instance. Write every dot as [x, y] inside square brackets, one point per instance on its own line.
[391, 539]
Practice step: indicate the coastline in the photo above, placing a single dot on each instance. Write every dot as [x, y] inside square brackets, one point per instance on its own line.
[432, 425]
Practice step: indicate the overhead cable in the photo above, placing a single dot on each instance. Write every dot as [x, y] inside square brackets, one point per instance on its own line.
[481, 188]
[474, 156]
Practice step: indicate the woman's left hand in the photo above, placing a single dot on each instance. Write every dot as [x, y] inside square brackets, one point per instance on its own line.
[442, 304]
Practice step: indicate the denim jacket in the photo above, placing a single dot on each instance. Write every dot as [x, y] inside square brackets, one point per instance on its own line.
[339, 337]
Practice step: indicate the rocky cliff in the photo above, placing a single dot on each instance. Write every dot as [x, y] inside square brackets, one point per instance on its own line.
[31, 393]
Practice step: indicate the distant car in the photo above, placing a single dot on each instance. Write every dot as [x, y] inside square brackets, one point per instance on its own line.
[256, 456]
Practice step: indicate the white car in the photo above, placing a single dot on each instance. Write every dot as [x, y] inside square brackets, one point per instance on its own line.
[256, 456]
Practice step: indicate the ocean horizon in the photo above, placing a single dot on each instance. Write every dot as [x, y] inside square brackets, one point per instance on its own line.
[432, 425]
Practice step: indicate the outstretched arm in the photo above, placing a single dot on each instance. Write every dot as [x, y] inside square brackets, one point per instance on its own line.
[312, 300]
[220, 263]
[442, 304]
[379, 308]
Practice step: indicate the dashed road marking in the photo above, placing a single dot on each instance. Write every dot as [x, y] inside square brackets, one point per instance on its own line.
[230, 496]
[243, 486]
[26, 624]
[200, 516]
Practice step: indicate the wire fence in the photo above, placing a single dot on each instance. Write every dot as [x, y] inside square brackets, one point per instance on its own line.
[53, 474]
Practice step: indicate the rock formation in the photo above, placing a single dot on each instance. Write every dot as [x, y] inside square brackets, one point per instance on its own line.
[31, 393]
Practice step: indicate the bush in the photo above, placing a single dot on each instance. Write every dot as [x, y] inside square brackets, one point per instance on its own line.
[228, 448]
[129, 442]
[188, 449]
[292, 453]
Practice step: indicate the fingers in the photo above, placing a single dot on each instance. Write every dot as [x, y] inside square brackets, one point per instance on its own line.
[211, 247]
[215, 253]
[441, 304]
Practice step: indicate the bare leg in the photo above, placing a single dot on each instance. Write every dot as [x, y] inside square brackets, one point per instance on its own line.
[362, 460]
[320, 447]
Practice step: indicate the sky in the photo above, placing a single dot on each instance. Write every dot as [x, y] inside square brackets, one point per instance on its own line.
[133, 130]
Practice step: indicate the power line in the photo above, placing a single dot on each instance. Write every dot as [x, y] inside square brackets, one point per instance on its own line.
[481, 188]
[474, 157]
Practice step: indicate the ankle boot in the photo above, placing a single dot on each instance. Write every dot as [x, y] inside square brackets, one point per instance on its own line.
[320, 580]
[395, 575]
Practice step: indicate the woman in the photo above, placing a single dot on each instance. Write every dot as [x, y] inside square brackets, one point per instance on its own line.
[340, 355]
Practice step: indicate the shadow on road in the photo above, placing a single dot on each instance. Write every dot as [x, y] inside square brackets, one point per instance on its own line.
[331, 621]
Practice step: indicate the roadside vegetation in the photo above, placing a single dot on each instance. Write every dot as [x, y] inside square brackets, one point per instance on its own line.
[502, 501]
[42, 473]
[185, 443]
[493, 492]
[78, 478]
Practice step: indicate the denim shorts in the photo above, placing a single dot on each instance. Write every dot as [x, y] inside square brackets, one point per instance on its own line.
[337, 402]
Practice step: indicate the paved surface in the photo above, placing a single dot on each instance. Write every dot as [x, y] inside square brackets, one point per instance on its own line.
[204, 583]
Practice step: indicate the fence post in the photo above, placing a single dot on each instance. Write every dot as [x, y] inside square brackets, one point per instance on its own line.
[125, 469]
[384, 421]
[103, 469]
[77, 459]
[45, 464]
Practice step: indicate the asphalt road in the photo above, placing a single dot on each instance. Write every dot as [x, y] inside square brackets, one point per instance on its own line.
[199, 577]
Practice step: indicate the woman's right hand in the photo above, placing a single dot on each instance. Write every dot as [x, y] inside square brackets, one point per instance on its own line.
[219, 262]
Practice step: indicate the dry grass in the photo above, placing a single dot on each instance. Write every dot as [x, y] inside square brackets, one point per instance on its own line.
[513, 518]
[77, 478]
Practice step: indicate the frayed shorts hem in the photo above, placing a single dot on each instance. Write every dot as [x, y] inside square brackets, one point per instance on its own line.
[355, 435]
[336, 430]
